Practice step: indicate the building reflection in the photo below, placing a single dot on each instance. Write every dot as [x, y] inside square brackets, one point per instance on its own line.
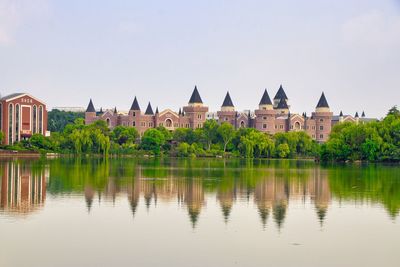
[270, 191]
[22, 190]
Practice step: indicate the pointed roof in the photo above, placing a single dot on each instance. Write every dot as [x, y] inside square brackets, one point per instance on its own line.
[156, 110]
[227, 101]
[135, 105]
[341, 114]
[281, 93]
[115, 109]
[363, 115]
[90, 107]
[322, 103]
[180, 111]
[195, 98]
[149, 110]
[265, 100]
[356, 116]
[282, 104]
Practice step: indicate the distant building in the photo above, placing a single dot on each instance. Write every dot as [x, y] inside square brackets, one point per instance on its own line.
[70, 109]
[271, 116]
[22, 115]
[192, 115]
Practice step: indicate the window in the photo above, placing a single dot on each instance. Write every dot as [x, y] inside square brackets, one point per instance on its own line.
[17, 120]
[168, 123]
[199, 116]
[281, 126]
[242, 124]
[150, 124]
[321, 127]
[143, 124]
[41, 119]
[321, 136]
[264, 126]
[134, 114]
[187, 125]
[321, 120]
[264, 108]
[297, 125]
[133, 123]
[34, 119]
[108, 122]
[276, 126]
[264, 118]
[10, 123]
[313, 127]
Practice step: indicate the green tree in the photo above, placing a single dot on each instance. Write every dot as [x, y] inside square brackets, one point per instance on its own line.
[210, 132]
[283, 150]
[153, 140]
[226, 132]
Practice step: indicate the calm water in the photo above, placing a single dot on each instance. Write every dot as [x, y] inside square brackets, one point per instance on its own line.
[197, 213]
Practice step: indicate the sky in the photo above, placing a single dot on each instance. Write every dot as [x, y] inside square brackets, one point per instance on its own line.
[66, 52]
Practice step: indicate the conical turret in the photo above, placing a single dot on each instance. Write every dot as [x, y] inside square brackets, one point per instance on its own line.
[227, 105]
[195, 99]
[149, 110]
[265, 102]
[322, 105]
[90, 107]
[280, 95]
[135, 105]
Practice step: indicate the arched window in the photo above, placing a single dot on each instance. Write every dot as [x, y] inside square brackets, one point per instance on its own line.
[34, 119]
[10, 123]
[242, 124]
[297, 125]
[41, 119]
[17, 120]
[168, 123]
[108, 122]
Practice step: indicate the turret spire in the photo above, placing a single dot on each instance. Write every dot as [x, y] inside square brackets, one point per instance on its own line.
[135, 105]
[227, 101]
[90, 107]
[195, 98]
[149, 110]
[322, 103]
[281, 93]
[265, 100]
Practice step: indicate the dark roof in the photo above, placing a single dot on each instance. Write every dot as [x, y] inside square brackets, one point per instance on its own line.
[156, 110]
[281, 93]
[180, 111]
[356, 116]
[363, 115]
[282, 104]
[149, 110]
[115, 110]
[90, 107]
[341, 114]
[195, 98]
[227, 101]
[322, 103]
[135, 105]
[265, 100]
[12, 96]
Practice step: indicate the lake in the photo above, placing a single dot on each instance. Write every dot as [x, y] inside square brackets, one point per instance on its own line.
[197, 212]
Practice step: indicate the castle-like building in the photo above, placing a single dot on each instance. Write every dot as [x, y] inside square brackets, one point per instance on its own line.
[270, 117]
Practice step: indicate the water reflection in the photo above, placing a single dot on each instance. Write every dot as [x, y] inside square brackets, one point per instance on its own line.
[270, 185]
[22, 188]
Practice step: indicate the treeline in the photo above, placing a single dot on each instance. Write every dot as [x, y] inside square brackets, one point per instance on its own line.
[373, 141]
[57, 119]
[210, 141]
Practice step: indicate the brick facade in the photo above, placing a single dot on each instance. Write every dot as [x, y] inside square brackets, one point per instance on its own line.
[21, 116]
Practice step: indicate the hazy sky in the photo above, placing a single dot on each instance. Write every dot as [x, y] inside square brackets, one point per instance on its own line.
[66, 52]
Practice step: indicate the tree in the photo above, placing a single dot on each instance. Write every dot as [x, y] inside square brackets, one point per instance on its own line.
[153, 140]
[57, 119]
[124, 135]
[227, 133]
[283, 150]
[210, 132]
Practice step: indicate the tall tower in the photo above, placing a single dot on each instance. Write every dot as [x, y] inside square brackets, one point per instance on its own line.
[195, 110]
[227, 112]
[90, 113]
[265, 115]
[134, 114]
[323, 119]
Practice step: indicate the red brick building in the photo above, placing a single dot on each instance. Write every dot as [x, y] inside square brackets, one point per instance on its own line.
[192, 116]
[270, 117]
[22, 115]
